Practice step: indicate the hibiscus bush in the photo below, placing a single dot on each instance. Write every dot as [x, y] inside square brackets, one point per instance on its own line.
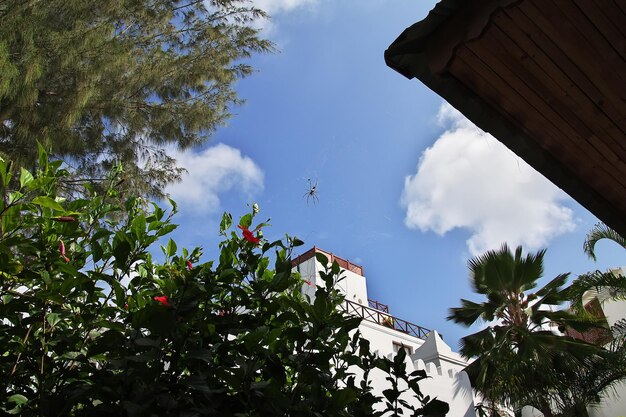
[95, 321]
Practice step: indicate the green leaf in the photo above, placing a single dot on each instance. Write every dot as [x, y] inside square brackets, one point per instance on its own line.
[419, 374]
[171, 248]
[44, 201]
[5, 173]
[121, 252]
[156, 318]
[400, 356]
[391, 395]
[321, 258]
[435, 408]
[53, 318]
[11, 218]
[173, 204]
[15, 196]
[18, 399]
[71, 355]
[157, 212]
[42, 157]
[227, 221]
[280, 282]
[344, 396]
[246, 220]
[120, 292]
[139, 226]
[110, 340]
[25, 177]
[165, 229]
[320, 305]
[254, 338]
[96, 250]
[147, 341]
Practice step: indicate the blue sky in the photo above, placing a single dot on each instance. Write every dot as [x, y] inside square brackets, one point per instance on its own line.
[407, 187]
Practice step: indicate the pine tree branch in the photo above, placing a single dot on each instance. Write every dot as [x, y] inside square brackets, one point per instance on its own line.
[193, 3]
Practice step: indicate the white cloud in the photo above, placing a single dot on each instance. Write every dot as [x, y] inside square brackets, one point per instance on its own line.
[215, 170]
[467, 179]
[278, 6]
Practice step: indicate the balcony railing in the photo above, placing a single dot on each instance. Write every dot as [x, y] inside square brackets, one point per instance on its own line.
[378, 305]
[343, 263]
[385, 319]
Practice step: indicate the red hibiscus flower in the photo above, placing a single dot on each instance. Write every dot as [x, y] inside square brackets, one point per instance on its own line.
[248, 235]
[189, 265]
[62, 251]
[164, 300]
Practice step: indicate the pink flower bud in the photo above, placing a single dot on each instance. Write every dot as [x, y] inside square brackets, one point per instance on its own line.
[65, 219]
[62, 251]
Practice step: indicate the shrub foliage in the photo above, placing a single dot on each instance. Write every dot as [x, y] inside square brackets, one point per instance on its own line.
[93, 323]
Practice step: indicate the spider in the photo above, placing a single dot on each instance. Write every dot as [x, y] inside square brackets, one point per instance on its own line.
[311, 193]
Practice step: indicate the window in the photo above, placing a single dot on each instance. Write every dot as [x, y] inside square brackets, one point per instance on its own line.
[399, 345]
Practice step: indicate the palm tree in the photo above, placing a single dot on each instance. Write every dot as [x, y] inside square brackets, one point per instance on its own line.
[520, 358]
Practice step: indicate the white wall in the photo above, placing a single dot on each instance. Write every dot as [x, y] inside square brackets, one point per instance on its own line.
[447, 382]
[352, 285]
[381, 338]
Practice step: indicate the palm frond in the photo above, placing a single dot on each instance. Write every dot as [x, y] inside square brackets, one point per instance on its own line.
[478, 268]
[478, 343]
[597, 280]
[528, 270]
[551, 292]
[619, 330]
[598, 232]
[503, 271]
[468, 314]
[563, 318]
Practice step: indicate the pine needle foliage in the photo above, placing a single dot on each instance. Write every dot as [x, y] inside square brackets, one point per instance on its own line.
[106, 81]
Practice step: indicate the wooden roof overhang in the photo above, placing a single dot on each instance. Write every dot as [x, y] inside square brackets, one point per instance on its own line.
[545, 77]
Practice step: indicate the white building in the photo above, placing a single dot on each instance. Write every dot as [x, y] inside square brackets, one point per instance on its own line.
[387, 334]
